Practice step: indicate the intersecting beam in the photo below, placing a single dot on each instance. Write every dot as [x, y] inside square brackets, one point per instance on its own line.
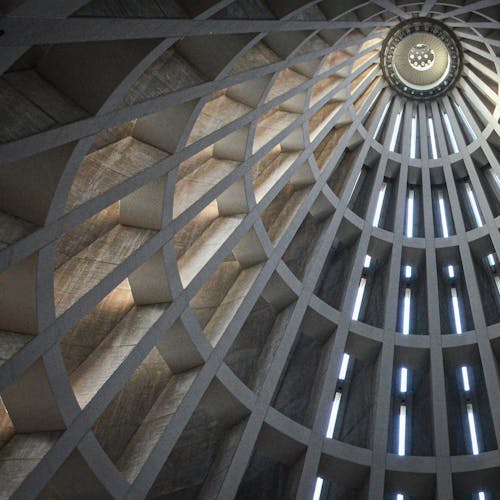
[30, 31]
[390, 6]
[427, 7]
[482, 4]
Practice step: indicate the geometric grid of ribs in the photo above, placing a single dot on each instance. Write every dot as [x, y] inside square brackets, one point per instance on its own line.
[186, 203]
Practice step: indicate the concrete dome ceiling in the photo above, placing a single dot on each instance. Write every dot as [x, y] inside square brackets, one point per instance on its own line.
[192, 195]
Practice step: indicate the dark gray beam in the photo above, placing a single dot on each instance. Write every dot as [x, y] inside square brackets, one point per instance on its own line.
[30, 31]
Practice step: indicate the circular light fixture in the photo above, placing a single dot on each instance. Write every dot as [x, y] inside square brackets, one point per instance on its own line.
[421, 58]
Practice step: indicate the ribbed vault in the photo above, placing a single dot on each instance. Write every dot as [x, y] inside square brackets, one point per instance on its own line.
[189, 191]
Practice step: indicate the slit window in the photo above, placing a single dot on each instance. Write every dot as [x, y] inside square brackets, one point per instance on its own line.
[359, 299]
[495, 178]
[494, 270]
[382, 119]
[408, 272]
[465, 379]
[395, 132]
[318, 488]
[409, 213]
[403, 380]
[451, 134]
[413, 141]
[442, 215]
[472, 429]
[402, 431]
[473, 204]
[355, 185]
[380, 204]
[456, 311]
[432, 137]
[344, 366]
[406, 311]
[333, 415]
[468, 127]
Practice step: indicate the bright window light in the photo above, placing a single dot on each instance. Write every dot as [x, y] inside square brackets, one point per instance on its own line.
[355, 184]
[399, 497]
[407, 271]
[472, 429]
[402, 431]
[442, 214]
[403, 381]
[359, 299]
[451, 135]
[456, 311]
[380, 204]
[367, 262]
[465, 379]
[406, 311]
[481, 495]
[466, 122]
[333, 415]
[491, 260]
[497, 282]
[432, 136]
[343, 367]
[382, 118]
[473, 204]
[318, 488]
[451, 272]
[409, 213]
[496, 179]
[413, 143]
[395, 132]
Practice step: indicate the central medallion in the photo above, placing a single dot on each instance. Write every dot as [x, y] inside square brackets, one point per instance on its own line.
[421, 58]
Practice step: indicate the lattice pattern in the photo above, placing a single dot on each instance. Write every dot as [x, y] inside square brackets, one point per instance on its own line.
[188, 195]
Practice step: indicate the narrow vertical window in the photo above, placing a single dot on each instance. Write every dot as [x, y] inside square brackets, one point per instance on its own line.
[473, 205]
[465, 379]
[395, 132]
[400, 497]
[456, 311]
[432, 137]
[491, 260]
[406, 311]
[481, 495]
[451, 272]
[402, 431]
[409, 213]
[333, 415]
[355, 184]
[382, 119]
[495, 178]
[318, 488]
[343, 367]
[451, 135]
[359, 298]
[472, 429]
[442, 215]
[413, 139]
[361, 289]
[466, 122]
[408, 272]
[403, 380]
[380, 204]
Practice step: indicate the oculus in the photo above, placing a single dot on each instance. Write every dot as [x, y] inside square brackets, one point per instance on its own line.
[421, 58]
